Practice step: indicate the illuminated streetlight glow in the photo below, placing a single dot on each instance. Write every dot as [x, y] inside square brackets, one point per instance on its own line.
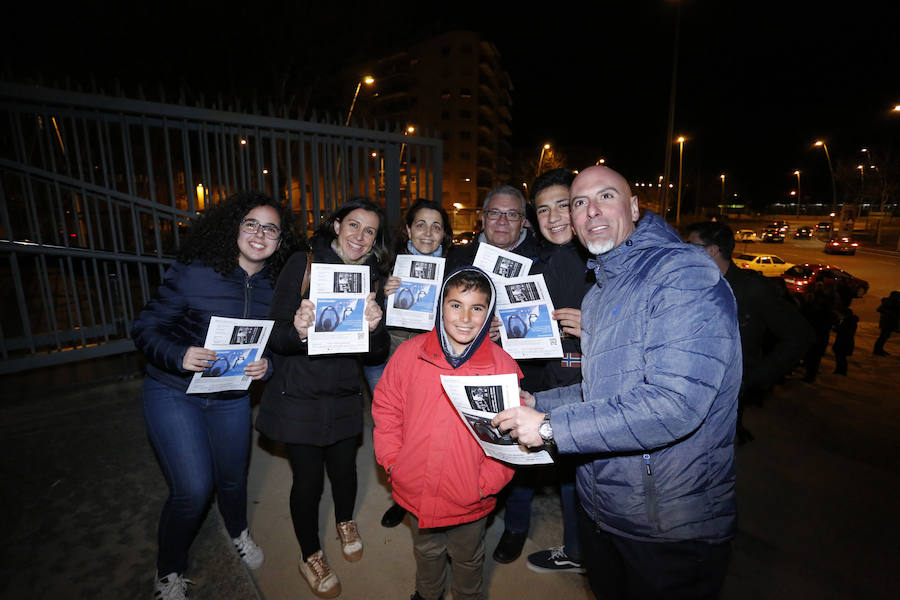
[799, 193]
[544, 148]
[722, 177]
[680, 141]
[243, 142]
[368, 80]
[830, 170]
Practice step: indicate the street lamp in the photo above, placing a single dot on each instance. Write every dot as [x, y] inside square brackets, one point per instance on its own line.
[680, 141]
[368, 80]
[831, 171]
[600, 161]
[722, 201]
[799, 192]
[544, 148]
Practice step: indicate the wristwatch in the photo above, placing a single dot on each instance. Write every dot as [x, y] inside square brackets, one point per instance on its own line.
[545, 430]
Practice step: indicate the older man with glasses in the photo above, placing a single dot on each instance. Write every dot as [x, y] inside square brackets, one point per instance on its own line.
[502, 217]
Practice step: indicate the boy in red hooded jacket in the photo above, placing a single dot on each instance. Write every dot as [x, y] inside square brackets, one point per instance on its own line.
[438, 472]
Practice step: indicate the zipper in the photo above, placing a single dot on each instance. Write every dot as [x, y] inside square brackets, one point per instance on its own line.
[247, 288]
[650, 491]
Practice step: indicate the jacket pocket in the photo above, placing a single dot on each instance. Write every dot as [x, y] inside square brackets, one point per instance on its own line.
[650, 500]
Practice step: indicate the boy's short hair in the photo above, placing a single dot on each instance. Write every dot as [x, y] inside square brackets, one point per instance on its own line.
[468, 280]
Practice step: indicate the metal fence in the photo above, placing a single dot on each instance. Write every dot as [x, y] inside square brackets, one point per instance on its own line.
[96, 194]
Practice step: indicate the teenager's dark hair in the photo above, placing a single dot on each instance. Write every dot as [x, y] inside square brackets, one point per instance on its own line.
[402, 236]
[713, 232]
[212, 240]
[379, 249]
[561, 176]
[468, 280]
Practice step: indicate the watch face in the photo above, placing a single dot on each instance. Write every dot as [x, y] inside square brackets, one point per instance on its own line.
[545, 430]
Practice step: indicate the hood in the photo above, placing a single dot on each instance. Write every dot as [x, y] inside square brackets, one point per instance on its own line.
[456, 360]
[651, 232]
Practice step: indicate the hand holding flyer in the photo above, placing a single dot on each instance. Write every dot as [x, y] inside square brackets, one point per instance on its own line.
[477, 400]
[339, 294]
[524, 308]
[234, 344]
[414, 303]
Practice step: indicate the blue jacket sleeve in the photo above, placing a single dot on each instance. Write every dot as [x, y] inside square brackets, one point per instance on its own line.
[690, 347]
[154, 329]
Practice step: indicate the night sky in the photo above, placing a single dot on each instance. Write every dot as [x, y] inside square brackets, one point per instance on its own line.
[758, 82]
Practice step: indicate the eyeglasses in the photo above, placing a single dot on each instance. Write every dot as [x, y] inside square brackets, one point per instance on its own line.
[511, 215]
[252, 226]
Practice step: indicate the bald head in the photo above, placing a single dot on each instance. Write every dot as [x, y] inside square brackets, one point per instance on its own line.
[603, 209]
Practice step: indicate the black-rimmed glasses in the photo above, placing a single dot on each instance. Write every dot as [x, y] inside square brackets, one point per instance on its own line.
[252, 226]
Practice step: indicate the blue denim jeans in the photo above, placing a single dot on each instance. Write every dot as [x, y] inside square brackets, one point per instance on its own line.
[202, 445]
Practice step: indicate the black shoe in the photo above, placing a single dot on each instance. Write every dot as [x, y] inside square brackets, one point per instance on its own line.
[416, 596]
[393, 516]
[510, 546]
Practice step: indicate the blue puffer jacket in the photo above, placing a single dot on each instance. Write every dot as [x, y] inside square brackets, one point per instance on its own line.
[662, 371]
[177, 316]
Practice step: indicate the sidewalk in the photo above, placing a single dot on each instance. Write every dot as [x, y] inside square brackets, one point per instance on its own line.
[818, 492]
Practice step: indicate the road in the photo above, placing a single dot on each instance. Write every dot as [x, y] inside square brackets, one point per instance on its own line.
[881, 270]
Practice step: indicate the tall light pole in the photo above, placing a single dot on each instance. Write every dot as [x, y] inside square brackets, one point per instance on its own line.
[680, 141]
[544, 148]
[670, 131]
[799, 192]
[368, 80]
[830, 170]
[722, 200]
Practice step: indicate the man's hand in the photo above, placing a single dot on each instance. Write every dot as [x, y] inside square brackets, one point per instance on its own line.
[522, 424]
[391, 285]
[304, 318]
[373, 312]
[494, 330]
[256, 369]
[569, 320]
[197, 359]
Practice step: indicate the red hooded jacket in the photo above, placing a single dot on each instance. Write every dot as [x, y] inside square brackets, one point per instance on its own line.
[437, 470]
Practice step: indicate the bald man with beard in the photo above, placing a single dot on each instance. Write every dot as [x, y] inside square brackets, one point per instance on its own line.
[653, 420]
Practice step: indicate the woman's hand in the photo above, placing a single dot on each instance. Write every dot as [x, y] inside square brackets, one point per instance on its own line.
[197, 359]
[569, 320]
[373, 312]
[391, 285]
[304, 318]
[257, 369]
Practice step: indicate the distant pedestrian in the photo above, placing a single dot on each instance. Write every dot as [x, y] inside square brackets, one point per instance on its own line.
[844, 340]
[889, 321]
[818, 309]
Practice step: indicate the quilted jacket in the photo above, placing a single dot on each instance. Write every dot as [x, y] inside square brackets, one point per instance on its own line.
[662, 371]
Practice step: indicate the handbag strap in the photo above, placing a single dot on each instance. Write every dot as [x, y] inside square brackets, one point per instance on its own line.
[304, 287]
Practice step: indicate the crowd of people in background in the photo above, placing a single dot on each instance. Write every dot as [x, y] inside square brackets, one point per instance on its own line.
[665, 343]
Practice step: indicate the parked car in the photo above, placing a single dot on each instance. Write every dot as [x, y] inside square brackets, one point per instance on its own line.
[781, 226]
[772, 236]
[803, 233]
[745, 235]
[800, 278]
[465, 237]
[841, 245]
[823, 226]
[767, 264]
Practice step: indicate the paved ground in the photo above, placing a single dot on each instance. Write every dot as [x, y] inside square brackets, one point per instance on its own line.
[818, 492]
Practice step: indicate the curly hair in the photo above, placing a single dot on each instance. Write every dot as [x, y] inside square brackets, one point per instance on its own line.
[402, 236]
[212, 239]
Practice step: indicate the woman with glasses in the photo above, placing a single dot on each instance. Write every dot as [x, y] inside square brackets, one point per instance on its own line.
[226, 267]
[313, 404]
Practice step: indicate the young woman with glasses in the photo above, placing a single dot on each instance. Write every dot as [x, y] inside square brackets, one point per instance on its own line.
[227, 267]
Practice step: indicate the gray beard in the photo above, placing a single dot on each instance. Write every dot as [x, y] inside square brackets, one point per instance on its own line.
[598, 248]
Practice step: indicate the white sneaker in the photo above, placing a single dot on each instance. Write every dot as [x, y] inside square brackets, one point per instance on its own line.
[171, 587]
[251, 554]
[319, 576]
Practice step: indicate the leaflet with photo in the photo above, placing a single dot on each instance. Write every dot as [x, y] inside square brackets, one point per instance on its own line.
[500, 264]
[236, 342]
[339, 293]
[524, 308]
[414, 303]
[478, 399]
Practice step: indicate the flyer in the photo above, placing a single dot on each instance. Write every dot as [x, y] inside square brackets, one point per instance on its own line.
[500, 264]
[414, 304]
[525, 308]
[478, 399]
[339, 292]
[236, 342]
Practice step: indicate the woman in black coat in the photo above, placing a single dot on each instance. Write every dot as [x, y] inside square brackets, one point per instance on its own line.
[313, 403]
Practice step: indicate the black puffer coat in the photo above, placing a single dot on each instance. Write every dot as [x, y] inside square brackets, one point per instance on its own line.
[313, 400]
